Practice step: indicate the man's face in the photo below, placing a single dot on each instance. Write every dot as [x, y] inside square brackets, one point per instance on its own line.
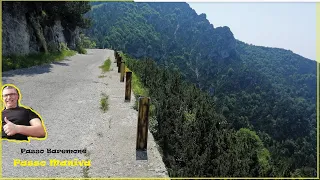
[10, 97]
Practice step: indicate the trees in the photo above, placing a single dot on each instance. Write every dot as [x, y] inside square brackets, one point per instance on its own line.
[195, 139]
[267, 90]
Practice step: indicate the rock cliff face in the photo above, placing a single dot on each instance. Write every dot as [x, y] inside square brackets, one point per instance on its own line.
[16, 37]
[226, 42]
[25, 32]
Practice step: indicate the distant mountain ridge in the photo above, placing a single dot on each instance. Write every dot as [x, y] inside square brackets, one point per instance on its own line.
[269, 90]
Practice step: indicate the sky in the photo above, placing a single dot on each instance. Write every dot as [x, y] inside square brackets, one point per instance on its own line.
[290, 26]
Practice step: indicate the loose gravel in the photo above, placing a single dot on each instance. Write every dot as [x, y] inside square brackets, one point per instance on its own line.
[67, 95]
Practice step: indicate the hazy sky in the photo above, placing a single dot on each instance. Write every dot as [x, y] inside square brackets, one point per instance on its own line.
[289, 26]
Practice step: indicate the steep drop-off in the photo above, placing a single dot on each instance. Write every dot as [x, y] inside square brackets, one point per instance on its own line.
[268, 90]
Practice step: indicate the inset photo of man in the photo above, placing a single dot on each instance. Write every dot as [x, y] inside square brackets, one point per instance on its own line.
[19, 122]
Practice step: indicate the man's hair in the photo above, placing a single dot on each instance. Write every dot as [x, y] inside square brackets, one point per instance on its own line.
[11, 87]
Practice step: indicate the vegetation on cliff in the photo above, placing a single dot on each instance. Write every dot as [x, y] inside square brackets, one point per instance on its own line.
[221, 107]
[259, 95]
[44, 21]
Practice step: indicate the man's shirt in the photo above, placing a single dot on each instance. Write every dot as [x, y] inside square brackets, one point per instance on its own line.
[18, 116]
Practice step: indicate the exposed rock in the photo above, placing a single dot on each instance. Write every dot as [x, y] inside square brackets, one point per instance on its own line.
[15, 31]
[72, 37]
[25, 32]
[226, 42]
[55, 36]
[35, 24]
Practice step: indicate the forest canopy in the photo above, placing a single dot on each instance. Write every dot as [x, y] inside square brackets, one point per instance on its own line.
[224, 108]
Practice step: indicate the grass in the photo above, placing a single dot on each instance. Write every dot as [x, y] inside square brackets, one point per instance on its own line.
[106, 66]
[139, 90]
[126, 69]
[137, 86]
[19, 61]
[102, 76]
[81, 50]
[85, 170]
[104, 104]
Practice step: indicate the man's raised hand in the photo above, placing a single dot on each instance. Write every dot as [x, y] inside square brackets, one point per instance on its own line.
[10, 128]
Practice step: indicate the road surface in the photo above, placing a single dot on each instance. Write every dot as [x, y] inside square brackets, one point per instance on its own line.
[67, 95]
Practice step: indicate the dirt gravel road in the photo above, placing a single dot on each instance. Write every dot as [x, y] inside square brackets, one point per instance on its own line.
[67, 95]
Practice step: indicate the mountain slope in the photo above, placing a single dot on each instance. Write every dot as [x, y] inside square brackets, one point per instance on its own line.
[267, 90]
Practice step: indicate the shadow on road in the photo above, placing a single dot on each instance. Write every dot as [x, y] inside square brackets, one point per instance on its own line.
[141, 155]
[61, 63]
[41, 69]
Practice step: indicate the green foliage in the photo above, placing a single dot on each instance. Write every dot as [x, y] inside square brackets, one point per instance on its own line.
[63, 47]
[43, 15]
[17, 62]
[104, 104]
[189, 116]
[102, 76]
[70, 13]
[267, 90]
[248, 140]
[189, 130]
[106, 66]
[138, 89]
[81, 50]
[137, 86]
[85, 42]
[264, 158]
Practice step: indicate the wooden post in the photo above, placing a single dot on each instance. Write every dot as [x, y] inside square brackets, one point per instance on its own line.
[119, 63]
[128, 86]
[143, 123]
[122, 72]
[118, 57]
[115, 56]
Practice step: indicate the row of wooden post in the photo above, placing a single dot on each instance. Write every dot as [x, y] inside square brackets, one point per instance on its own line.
[144, 104]
[121, 70]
